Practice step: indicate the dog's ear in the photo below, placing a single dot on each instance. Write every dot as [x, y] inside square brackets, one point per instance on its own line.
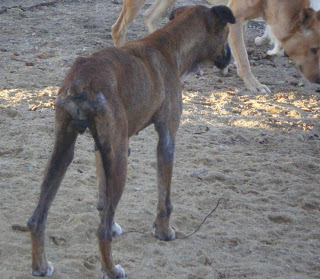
[224, 14]
[306, 17]
[174, 13]
[305, 20]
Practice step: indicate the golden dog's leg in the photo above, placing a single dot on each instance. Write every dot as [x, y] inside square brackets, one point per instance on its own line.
[244, 10]
[61, 157]
[236, 40]
[130, 10]
[265, 38]
[111, 164]
[153, 15]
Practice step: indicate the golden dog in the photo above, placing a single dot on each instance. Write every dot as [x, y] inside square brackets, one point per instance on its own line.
[293, 22]
[268, 36]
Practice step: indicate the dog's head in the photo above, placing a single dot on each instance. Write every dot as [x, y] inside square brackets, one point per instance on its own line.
[215, 20]
[303, 44]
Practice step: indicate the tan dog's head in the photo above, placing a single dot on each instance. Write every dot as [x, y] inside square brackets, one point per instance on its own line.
[215, 19]
[303, 44]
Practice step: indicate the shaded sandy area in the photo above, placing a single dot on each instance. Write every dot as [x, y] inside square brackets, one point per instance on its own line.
[259, 152]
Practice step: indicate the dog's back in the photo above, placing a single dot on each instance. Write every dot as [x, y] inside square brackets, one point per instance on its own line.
[140, 75]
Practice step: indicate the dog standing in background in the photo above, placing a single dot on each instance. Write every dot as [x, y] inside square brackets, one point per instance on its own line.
[293, 22]
[269, 38]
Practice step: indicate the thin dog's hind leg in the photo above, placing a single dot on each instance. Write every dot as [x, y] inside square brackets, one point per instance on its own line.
[111, 160]
[101, 183]
[61, 157]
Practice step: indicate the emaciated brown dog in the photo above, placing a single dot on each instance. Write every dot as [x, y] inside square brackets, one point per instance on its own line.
[116, 93]
[293, 22]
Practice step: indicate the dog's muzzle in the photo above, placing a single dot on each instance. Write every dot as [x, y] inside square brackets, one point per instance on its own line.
[222, 61]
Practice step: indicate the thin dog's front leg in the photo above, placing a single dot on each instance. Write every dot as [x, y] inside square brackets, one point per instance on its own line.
[165, 156]
[61, 157]
[239, 52]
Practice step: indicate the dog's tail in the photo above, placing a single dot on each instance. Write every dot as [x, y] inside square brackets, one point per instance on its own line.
[78, 98]
[78, 106]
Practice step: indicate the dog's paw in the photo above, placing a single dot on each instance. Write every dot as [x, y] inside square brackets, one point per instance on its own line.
[272, 52]
[255, 86]
[121, 271]
[48, 272]
[116, 229]
[224, 71]
[275, 51]
[117, 273]
[164, 234]
[259, 41]
[263, 89]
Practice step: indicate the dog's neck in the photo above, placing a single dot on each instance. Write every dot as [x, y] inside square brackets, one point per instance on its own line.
[183, 42]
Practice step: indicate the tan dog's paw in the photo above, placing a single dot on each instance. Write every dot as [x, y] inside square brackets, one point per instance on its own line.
[263, 89]
[259, 41]
[48, 272]
[276, 51]
[117, 273]
[258, 87]
[164, 234]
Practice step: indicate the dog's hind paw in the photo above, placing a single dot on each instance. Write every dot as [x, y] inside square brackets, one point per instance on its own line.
[166, 235]
[116, 229]
[118, 273]
[47, 272]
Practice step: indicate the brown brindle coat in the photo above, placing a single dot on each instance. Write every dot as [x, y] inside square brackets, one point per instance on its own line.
[116, 93]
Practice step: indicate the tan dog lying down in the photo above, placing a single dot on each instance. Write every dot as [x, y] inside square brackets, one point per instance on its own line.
[116, 93]
[293, 23]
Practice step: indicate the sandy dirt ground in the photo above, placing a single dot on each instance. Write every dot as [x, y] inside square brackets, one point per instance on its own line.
[261, 153]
